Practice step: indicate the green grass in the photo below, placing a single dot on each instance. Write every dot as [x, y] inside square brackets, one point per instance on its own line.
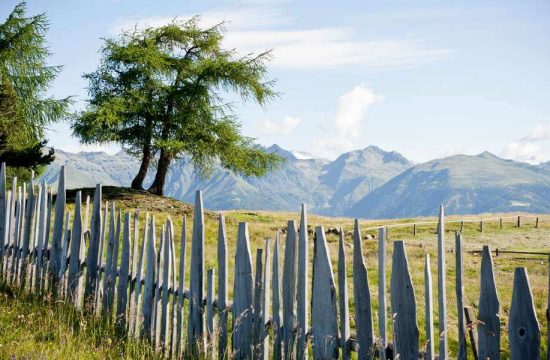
[36, 336]
[34, 327]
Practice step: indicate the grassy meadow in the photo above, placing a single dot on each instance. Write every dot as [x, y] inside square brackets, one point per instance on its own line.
[38, 328]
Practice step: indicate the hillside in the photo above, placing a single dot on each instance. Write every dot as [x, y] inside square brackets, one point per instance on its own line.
[329, 187]
[464, 184]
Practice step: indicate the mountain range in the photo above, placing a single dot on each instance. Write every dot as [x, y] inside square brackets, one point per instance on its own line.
[362, 183]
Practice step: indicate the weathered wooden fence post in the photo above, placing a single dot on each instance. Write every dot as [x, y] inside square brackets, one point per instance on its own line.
[28, 226]
[403, 306]
[323, 301]
[257, 318]
[382, 298]
[430, 352]
[195, 329]
[181, 287]
[149, 288]
[537, 223]
[276, 303]
[523, 326]
[472, 329]
[210, 311]
[223, 297]
[343, 298]
[489, 307]
[93, 248]
[55, 253]
[519, 221]
[462, 351]
[75, 271]
[243, 296]
[481, 226]
[302, 302]
[122, 290]
[265, 302]
[138, 299]
[414, 230]
[289, 289]
[500, 223]
[442, 286]
[361, 293]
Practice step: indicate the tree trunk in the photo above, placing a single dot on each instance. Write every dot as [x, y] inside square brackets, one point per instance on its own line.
[137, 183]
[157, 187]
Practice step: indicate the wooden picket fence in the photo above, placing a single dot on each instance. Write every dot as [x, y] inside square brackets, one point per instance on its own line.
[276, 311]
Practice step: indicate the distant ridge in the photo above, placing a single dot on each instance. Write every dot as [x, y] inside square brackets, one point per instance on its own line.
[328, 187]
[464, 184]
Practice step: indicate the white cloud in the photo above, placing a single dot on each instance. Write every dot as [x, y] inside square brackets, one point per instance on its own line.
[256, 28]
[347, 122]
[530, 148]
[539, 133]
[285, 126]
[521, 151]
[352, 108]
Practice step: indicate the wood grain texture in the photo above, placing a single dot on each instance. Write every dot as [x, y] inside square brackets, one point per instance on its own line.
[223, 296]
[523, 326]
[323, 301]
[343, 297]
[442, 286]
[430, 352]
[302, 285]
[488, 329]
[403, 306]
[459, 285]
[243, 297]
[289, 289]
[361, 294]
[276, 302]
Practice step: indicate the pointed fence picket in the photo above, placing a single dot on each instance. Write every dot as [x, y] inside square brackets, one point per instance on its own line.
[277, 312]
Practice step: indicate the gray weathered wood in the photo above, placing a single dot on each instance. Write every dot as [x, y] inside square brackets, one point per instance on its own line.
[323, 301]
[361, 294]
[157, 307]
[110, 270]
[57, 237]
[86, 224]
[76, 241]
[257, 321]
[166, 277]
[101, 261]
[63, 258]
[29, 212]
[210, 310]
[523, 326]
[382, 297]
[93, 248]
[276, 301]
[430, 352]
[489, 307]
[223, 297]
[472, 329]
[137, 330]
[289, 289]
[122, 290]
[302, 285]
[403, 306]
[195, 330]
[43, 218]
[174, 281]
[181, 283]
[243, 296]
[481, 226]
[265, 302]
[149, 288]
[133, 275]
[462, 351]
[343, 298]
[442, 286]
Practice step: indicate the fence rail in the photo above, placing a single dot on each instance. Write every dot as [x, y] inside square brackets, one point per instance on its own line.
[96, 262]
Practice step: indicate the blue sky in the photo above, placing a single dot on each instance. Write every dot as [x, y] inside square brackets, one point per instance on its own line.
[425, 78]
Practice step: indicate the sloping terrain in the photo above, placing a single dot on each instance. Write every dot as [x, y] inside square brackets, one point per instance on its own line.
[464, 184]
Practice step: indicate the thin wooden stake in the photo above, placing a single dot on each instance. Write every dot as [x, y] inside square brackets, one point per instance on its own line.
[430, 352]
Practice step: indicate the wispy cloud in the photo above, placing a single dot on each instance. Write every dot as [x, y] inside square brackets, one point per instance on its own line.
[285, 126]
[528, 148]
[255, 28]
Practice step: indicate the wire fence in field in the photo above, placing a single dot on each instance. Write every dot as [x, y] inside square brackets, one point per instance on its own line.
[277, 311]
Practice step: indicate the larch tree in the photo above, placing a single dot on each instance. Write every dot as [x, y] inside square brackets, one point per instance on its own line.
[159, 93]
[25, 77]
